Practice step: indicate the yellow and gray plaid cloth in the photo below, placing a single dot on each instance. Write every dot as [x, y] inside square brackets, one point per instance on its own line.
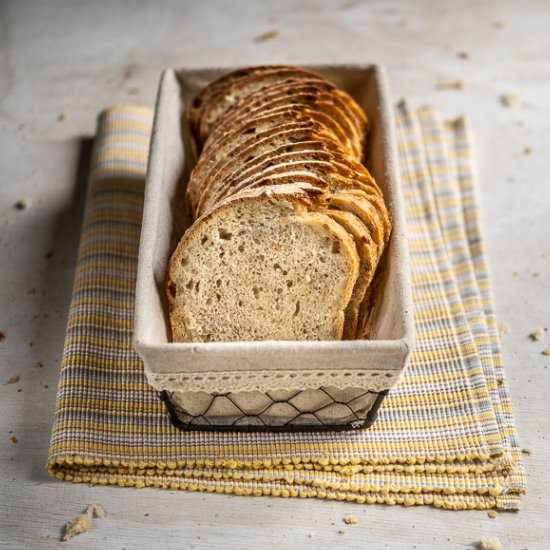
[445, 436]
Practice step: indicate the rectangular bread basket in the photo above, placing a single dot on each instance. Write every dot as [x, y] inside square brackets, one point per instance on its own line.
[269, 385]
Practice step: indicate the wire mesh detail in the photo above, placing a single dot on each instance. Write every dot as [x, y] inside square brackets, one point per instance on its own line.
[325, 408]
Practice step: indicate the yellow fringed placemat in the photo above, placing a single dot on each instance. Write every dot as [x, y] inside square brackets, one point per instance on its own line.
[445, 436]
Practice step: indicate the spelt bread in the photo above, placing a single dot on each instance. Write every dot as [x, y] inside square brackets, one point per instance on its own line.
[289, 224]
[262, 266]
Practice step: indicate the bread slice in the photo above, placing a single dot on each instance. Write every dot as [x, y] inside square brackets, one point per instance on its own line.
[219, 102]
[262, 266]
[255, 129]
[265, 152]
[367, 265]
[318, 96]
[203, 99]
[209, 165]
[233, 180]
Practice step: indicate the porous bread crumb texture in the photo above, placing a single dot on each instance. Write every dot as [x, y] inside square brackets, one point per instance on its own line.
[489, 543]
[82, 522]
[492, 514]
[262, 259]
[290, 266]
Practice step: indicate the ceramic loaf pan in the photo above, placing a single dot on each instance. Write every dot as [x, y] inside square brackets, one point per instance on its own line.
[269, 385]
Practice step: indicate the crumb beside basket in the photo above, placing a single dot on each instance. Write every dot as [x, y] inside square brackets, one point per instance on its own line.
[269, 385]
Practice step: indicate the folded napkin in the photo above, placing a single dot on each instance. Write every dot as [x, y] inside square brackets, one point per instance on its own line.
[445, 436]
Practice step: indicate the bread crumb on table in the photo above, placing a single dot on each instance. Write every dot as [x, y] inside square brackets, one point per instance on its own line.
[463, 55]
[509, 100]
[527, 151]
[350, 519]
[60, 117]
[2, 335]
[450, 85]
[527, 451]
[12, 379]
[489, 543]
[492, 514]
[341, 532]
[21, 204]
[537, 334]
[14, 439]
[38, 365]
[503, 328]
[264, 37]
[546, 351]
[82, 522]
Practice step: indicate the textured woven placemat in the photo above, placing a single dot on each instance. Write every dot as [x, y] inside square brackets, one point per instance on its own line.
[445, 436]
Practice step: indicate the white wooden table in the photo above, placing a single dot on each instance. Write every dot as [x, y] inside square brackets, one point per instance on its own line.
[62, 62]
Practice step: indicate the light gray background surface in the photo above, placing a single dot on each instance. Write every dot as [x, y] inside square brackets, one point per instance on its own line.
[62, 62]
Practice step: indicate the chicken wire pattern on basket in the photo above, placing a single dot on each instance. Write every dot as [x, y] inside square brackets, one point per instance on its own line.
[322, 408]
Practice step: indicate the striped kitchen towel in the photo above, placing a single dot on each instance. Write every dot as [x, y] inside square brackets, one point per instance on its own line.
[444, 437]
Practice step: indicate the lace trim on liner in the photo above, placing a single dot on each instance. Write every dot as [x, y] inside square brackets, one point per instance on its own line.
[263, 381]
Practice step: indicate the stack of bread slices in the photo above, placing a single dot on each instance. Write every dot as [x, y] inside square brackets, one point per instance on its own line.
[289, 226]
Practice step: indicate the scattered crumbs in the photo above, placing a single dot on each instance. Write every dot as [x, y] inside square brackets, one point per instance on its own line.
[508, 100]
[19, 390]
[133, 91]
[21, 204]
[535, 274]
[546, 351]
[463, 55]
[48, 254]
[146, 514]
[498, 25]
[450, 85]
[527, 150]
[514, 273]
[60, 117]
[2, 335]
[38, 365]
[14, 439]
[264, 37]
[503, 328]
[12, 379]
[537, 334]
[341, 532]
[216, 515]
[350, 520]
[83, 521]
[46, 386]
[309, 536]
[527, 450]
[489, 543]
[492, 514]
